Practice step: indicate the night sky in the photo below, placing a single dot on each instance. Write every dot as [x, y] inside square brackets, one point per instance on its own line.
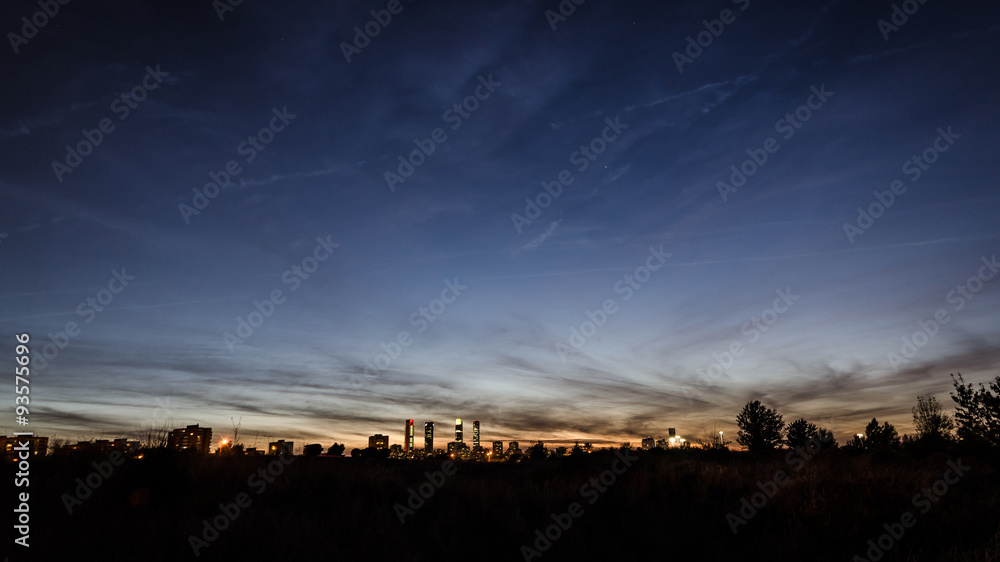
[377, 253]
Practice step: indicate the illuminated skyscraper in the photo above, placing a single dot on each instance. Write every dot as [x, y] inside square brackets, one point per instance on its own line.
[408, 437]
[429, 437]
[498, 448]
[475, 435]
[458, 430]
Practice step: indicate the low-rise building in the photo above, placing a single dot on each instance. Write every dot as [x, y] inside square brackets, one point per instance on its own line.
[191, 438]
[37, 446]
[280, 447]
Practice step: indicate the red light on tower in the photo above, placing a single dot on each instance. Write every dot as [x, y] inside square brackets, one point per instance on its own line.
[408, 437]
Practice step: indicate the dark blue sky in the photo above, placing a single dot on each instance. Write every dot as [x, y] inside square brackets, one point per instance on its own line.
[813, 309]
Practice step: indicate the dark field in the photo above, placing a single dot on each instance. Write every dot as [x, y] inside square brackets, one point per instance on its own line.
[669, 505]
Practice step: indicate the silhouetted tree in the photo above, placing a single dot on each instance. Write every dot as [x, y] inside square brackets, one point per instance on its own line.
[856, 444]
[373, 453]
[880, 438]
[151, 435]
[538, 451]
[356, 453]
[760, 427]
[625, 447]
[577, 450]
[335, 449]
[826, 437]
[930, 420]
[800, 432]
[714, 440]
[312, 450]
[977, 413]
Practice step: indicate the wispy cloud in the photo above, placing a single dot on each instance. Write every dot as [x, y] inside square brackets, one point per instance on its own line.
[537, 241]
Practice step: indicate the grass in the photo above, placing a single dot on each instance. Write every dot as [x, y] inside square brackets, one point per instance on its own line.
[670, 505]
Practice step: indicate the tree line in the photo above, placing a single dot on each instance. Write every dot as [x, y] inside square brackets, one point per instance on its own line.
[976, 421]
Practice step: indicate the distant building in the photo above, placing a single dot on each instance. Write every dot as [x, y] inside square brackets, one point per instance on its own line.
[662, 443]
[475, 435]
[378, 441]
[648, 443]
[671, 432]
[429, 437]
[498, 448]
[514, 446]
[37, 446]
[458, 430]
[280, 447]
[408, 437]
[396, 451]
[106, 446]
[126, 446]
[191, 438]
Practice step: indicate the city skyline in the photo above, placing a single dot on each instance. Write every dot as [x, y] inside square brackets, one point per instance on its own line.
[588, 227]
[172, 432]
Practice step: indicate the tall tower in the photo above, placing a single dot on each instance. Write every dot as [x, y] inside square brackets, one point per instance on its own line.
[429, 437]
[458, 430]
[475, 435]
[408, 437]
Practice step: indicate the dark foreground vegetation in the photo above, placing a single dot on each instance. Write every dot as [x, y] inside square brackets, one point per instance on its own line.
[668, 505]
